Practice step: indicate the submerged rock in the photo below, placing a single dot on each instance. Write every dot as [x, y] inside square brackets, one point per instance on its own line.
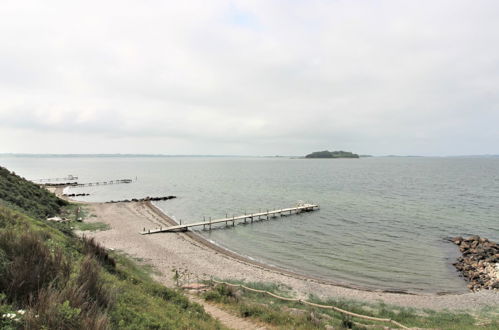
[479, 263]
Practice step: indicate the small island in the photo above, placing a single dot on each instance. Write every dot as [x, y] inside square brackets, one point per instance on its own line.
[332, 154]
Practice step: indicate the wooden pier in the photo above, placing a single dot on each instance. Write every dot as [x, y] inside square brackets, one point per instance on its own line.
[232, 220]
[70, 177]
[89, 184]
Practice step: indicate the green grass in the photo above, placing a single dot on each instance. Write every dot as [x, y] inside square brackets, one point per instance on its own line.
[51, 279]
[74, 211]
[284, 315]
[90, 226]
[83, 285]
[27, 196]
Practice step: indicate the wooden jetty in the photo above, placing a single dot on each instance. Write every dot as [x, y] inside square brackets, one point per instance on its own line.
[232, 220]
[89, 184]
[70, 177]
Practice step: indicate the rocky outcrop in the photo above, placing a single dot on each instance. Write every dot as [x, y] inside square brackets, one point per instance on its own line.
[146, 199]
[479, 262]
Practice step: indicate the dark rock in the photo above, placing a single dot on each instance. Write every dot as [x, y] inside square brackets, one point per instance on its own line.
[474, 238]
[478, 262]
[146, 199]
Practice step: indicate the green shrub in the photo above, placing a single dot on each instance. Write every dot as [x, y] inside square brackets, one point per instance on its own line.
[94, 249]
[29, 265]
[28, 196]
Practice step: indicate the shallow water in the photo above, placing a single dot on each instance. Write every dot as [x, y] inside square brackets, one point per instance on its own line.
[382, 221]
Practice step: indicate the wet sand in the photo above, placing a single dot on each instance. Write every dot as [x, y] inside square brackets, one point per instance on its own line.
[196, 259]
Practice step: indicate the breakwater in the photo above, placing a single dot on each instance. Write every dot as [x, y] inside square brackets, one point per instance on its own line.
[479, 263]
[145, 199]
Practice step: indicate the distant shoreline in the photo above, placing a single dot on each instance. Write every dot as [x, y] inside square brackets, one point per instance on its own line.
[28, 155]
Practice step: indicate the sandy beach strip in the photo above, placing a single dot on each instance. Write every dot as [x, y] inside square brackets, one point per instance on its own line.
[198, 259]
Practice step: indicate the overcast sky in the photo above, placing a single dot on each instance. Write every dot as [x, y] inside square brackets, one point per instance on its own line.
[249, 77]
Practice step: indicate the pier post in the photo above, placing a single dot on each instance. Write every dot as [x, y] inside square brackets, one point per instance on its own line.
[210, 223]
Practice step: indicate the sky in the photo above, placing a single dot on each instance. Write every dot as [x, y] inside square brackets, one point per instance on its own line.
[249, 77]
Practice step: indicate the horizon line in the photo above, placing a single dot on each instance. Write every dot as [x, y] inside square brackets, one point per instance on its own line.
[211, 155]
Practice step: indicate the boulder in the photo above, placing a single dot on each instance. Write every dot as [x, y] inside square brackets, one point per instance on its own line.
[478, 262]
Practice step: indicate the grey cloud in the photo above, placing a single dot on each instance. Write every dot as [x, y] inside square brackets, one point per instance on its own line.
[380, 77]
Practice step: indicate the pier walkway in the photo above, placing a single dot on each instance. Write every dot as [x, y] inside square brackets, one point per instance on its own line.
[89, 184]
[245, 218]
[67, 178]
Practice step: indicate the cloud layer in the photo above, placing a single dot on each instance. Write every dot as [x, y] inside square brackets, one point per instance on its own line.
[249, 77]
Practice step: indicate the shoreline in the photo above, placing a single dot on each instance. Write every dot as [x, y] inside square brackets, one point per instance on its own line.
[199, 259]
[241, 258]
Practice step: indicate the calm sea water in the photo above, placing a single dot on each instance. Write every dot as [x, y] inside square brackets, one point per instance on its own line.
[382, 223]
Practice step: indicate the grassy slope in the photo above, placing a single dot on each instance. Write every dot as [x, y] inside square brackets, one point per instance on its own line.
[291, 315]
[27, 196]
[51, 279]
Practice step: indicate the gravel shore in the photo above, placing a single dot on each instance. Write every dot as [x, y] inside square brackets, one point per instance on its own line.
[196, 259]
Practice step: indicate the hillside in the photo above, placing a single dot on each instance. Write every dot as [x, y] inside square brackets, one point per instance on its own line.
[24, 195]
[50, 279]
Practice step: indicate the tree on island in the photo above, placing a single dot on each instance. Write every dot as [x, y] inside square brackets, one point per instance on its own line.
[332, 154]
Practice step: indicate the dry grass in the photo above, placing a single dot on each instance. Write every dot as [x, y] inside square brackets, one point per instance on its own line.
[94, 249]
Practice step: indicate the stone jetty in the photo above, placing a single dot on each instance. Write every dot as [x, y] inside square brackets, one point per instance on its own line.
[146, 199]
[479, 262]
[60, 184]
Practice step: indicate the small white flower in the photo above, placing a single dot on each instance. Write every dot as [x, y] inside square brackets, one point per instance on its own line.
[21, 312]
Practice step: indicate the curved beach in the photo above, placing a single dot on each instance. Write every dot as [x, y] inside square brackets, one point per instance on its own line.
[197, 259]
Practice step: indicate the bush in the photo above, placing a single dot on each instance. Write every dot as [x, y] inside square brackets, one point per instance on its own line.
[28, 196]
[29, 265]
[66, 309]
[94, 249]
[89, 282]
[222, 294]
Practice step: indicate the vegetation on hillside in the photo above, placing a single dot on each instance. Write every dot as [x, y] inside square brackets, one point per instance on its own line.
[332, 154]
[50, 279]
[27, 196]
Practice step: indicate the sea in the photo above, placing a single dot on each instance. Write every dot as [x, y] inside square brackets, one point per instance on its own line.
[383, 223]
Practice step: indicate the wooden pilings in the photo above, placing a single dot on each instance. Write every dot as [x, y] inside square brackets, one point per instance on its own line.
[233, 219]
